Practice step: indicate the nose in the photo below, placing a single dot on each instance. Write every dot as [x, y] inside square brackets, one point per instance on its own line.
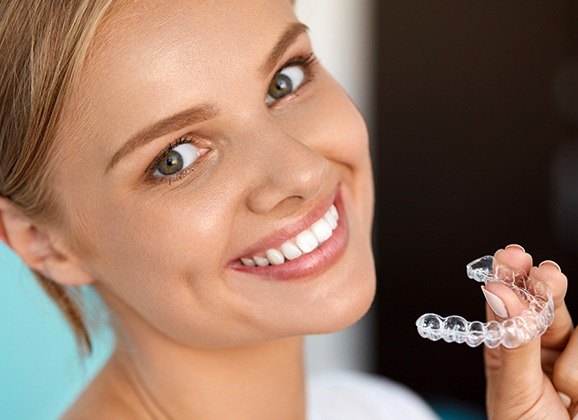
[291, 172]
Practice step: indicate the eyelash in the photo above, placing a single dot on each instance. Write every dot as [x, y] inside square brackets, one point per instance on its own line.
[307, 61]
[170, 178]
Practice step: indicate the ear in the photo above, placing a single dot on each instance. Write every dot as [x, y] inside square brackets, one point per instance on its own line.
[40, 249]
[3, 236]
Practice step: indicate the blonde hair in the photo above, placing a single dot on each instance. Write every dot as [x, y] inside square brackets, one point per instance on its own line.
[43, 44]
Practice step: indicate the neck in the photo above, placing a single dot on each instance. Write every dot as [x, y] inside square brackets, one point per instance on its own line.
[261, 381]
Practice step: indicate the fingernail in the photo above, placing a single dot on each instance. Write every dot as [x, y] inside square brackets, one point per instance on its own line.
[497, 304]
[516, 246]
[550, 262]
[565, 399]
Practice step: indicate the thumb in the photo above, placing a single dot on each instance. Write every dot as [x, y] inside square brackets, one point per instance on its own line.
[518, 370]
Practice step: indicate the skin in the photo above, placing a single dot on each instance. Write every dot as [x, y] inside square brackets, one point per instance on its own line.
[540, 379]
[157, 254]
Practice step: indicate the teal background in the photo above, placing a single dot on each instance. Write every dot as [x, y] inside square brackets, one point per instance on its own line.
[40, 371]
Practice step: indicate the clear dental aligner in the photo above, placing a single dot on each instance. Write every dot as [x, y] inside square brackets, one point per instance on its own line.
[512, 332]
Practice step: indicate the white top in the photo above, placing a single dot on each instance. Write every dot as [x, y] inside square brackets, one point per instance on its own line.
[354, 395]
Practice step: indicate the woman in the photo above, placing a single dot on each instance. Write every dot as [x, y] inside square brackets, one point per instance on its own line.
[196, 165]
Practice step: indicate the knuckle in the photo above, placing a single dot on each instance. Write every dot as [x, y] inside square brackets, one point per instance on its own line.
[565, 374]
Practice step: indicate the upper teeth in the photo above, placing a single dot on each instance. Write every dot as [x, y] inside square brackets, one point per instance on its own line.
[302, 243]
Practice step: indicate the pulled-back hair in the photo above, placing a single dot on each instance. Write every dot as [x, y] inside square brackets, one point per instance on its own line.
[43, 44]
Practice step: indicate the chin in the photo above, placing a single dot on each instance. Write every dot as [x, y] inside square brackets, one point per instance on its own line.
[346, 311]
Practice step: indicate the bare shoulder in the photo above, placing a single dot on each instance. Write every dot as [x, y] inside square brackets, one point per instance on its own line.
[106, 397]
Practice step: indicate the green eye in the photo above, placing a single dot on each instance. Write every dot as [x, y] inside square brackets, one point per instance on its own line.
[284, 82]
[177, 158]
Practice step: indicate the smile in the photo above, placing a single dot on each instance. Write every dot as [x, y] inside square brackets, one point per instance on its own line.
[303, 243]
[308, 252]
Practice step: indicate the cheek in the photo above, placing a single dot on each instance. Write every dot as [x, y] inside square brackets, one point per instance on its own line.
[170, 240]
[341, 135]
[156, 260]
[333, 119]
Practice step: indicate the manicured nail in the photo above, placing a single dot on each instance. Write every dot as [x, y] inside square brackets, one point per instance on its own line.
[552, 263]
[565, 399]
[516, 246]
[496, 303]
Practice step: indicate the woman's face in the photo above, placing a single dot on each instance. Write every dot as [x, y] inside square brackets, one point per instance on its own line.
[255, 159]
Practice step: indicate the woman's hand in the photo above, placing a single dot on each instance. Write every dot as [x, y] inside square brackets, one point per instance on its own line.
[540, 379]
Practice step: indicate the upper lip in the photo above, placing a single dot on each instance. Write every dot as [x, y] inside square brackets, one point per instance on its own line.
[291, 229]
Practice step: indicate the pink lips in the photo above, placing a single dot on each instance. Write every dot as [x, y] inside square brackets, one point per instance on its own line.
[313, 263]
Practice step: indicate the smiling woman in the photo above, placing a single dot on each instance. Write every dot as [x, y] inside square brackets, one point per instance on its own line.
[194, 164]
[198, 141]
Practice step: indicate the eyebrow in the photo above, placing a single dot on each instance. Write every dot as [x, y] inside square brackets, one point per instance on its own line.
[168, 125]
[293, 31]
[205, 111]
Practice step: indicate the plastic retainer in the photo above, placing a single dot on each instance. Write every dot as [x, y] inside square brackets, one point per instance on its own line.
[512, 332]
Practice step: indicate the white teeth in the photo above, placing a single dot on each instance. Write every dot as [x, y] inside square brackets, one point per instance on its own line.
[322, 230]
[333, 211]
[331, 220]
[306, 241]
[275, 257]
[303, 243]
[261, 262]
[248, 261]
[290, 250]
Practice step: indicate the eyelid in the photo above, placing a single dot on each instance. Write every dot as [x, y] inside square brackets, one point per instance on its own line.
[308, 61]
[192, 139]
[305, 60]
[157, 159]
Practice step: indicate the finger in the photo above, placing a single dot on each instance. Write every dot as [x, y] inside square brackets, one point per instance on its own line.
[549, 357]
[565, 375]
[501, 303]
[559, 332]
[492, 362]
[519, 368]
[515, 373]
[504, 301]
[492, 357]
[513, 256]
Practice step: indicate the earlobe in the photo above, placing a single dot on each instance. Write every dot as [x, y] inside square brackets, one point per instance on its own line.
[37, 249]
[61, 266]
[64, 271]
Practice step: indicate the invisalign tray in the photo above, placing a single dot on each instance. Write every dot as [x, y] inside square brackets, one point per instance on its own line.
[511, 333]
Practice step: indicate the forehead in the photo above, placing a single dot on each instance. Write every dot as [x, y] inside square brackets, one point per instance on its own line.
[145, 51]
[145, 29]
[156, 39]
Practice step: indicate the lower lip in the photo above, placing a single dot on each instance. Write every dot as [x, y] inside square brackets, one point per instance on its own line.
[311, 264]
